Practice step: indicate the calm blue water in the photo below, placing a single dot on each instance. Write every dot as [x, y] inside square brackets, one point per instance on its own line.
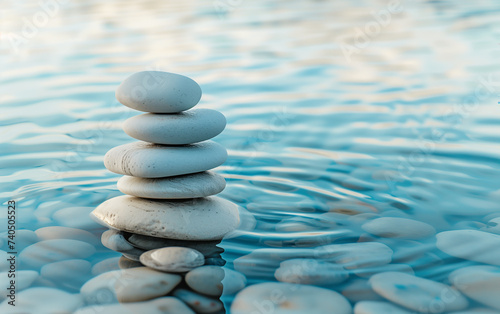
[324, 132]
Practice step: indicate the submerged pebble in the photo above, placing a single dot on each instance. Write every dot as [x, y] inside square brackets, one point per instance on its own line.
[418, 294]
[199, 303]
[401, 228]
[310, 272]
[472, 245]
[480, 283]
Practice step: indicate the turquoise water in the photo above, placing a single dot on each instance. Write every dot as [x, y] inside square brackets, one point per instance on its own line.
[325, 132]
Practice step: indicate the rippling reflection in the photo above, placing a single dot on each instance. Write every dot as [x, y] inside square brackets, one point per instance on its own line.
[320, 143]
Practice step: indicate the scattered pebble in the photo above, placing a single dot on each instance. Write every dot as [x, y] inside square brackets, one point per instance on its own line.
[310, 272]
[159, 92]
[182, 128]
[286, 298]
[472, 245]
[418, 294]
[199, 303]
[377, 307]
[128, 285]
[480, 283]
[163, 305]
[49, 251]
[42, 300]
[401, 228]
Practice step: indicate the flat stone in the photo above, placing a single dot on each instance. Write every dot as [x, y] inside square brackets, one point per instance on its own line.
[75, 217]
[215, 281]
[146, 160]
[207, 248]
[157, 306]
[378, 307]
[472, 245]
[199, 303]
[286, 298]
[310, 272]
[173, 259]
[160, 92]
[401, 228]
[24, 279]
[187, 127]
[207, 218]
[48, 251]
[59, 232]
[357, 289]
[356, 255]
[480, 283]
[370, 271]
[106, 265]
[194, 185]
[23, 238]
[114, 240]
[128, 285]
[418, 294]
[42, 300]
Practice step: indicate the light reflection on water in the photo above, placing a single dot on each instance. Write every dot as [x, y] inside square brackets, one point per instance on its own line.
[318, 145]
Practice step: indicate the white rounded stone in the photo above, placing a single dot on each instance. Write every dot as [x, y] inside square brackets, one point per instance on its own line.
[215, 280]
[310, 272]
[128, 285]
[144, 242]
[199, 303]
[23, 279]
[157, 306]
[208, 218]
[42, 300]
[356, 255]
[23, 238]
[59, 232]
[378, 307]
[418, 294]
[49, 251]
[187, 127]
[173, 259]
[146, 160]
[71, 272]
[287, 298]
[194, 185]
[472, 245]
[159, 92]
[401, 228]
[480, 283]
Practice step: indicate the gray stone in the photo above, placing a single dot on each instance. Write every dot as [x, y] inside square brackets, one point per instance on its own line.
[472, 245]
[146, 160]
[286, 298]
[310, 272]
[157, 91]
[128, 285]
[147, 243]
[173, 259]
[187, 127]
[418, 294]
[42, 300]
[480, 283]
[164, 305]
[199, 303]
[194, 185]
[401, 228]
[207, 218]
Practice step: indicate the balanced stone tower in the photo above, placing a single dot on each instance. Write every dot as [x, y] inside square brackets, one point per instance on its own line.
[170, 219]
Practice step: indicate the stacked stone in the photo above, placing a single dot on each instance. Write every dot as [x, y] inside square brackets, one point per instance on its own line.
[170, 219]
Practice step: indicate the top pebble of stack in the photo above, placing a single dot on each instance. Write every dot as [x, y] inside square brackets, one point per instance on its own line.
[158, 92]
